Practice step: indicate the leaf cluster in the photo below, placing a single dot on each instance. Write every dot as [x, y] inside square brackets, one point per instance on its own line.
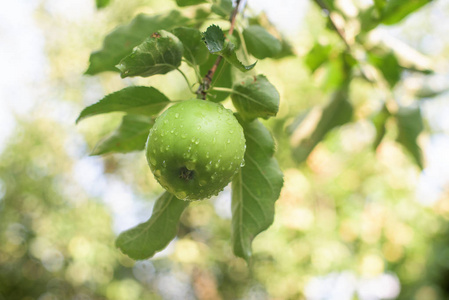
[382, 65]
[159, 44]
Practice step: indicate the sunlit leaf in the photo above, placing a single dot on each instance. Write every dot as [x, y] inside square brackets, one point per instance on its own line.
[130, 136]
[379, 121]
[102, 3]
[255, 188]
[395, 11]
[255, 97]
[182, 3]
[158, 54]
[311, 132]
[318, 55]
[336, 73]
[380, 4]
[123, 39]
[144, 240]
[135, 100]
[388, 64]
[410, 125]
[369, 19]
[260, 43]
[194, 49]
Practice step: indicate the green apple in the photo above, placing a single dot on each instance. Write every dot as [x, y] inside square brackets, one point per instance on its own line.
[195, 148]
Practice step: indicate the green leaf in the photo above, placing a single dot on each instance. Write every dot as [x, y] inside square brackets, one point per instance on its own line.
[144, 240]
[222, 78]
[123, 39]
[194, 50]
[215, 42]
[222, 7]
[102, 3]
[214, 39]
[369, 19]
[336, 113]
[255, 97]
[230, 56]
[388, 64]
[130, 136]
[428, 92]
[255, 188]
[336, 73]
[263, 21]
[318, 55]
[260, 43]
[182, 3]
[159, 54]
[410, 125]
[140, 100]
[379, 121]
[380, 4]
[395, 11]
[286, 49]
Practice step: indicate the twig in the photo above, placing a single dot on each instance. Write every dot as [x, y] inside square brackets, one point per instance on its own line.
[339, 31]
[207, 80]
[370, 76]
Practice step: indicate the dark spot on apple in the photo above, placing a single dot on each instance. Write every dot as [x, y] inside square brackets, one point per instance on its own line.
[186, 174]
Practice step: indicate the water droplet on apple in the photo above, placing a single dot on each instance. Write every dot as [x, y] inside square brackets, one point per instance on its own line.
[157, 173]
[190, 165]
[165, 121]
[229, 141]
[176, 115]
[202, 182]
[207, 155]
[183, 135]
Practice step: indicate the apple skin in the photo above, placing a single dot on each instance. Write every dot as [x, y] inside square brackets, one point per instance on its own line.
[195, 148]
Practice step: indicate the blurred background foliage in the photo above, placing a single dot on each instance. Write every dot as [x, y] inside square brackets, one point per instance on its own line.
[354, 221]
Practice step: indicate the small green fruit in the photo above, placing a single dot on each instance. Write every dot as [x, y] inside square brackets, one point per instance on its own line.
[195, 148]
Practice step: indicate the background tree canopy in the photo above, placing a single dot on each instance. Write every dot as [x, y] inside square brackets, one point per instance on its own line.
[361, 136]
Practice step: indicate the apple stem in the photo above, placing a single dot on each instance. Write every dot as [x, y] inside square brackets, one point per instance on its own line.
[207, 80]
